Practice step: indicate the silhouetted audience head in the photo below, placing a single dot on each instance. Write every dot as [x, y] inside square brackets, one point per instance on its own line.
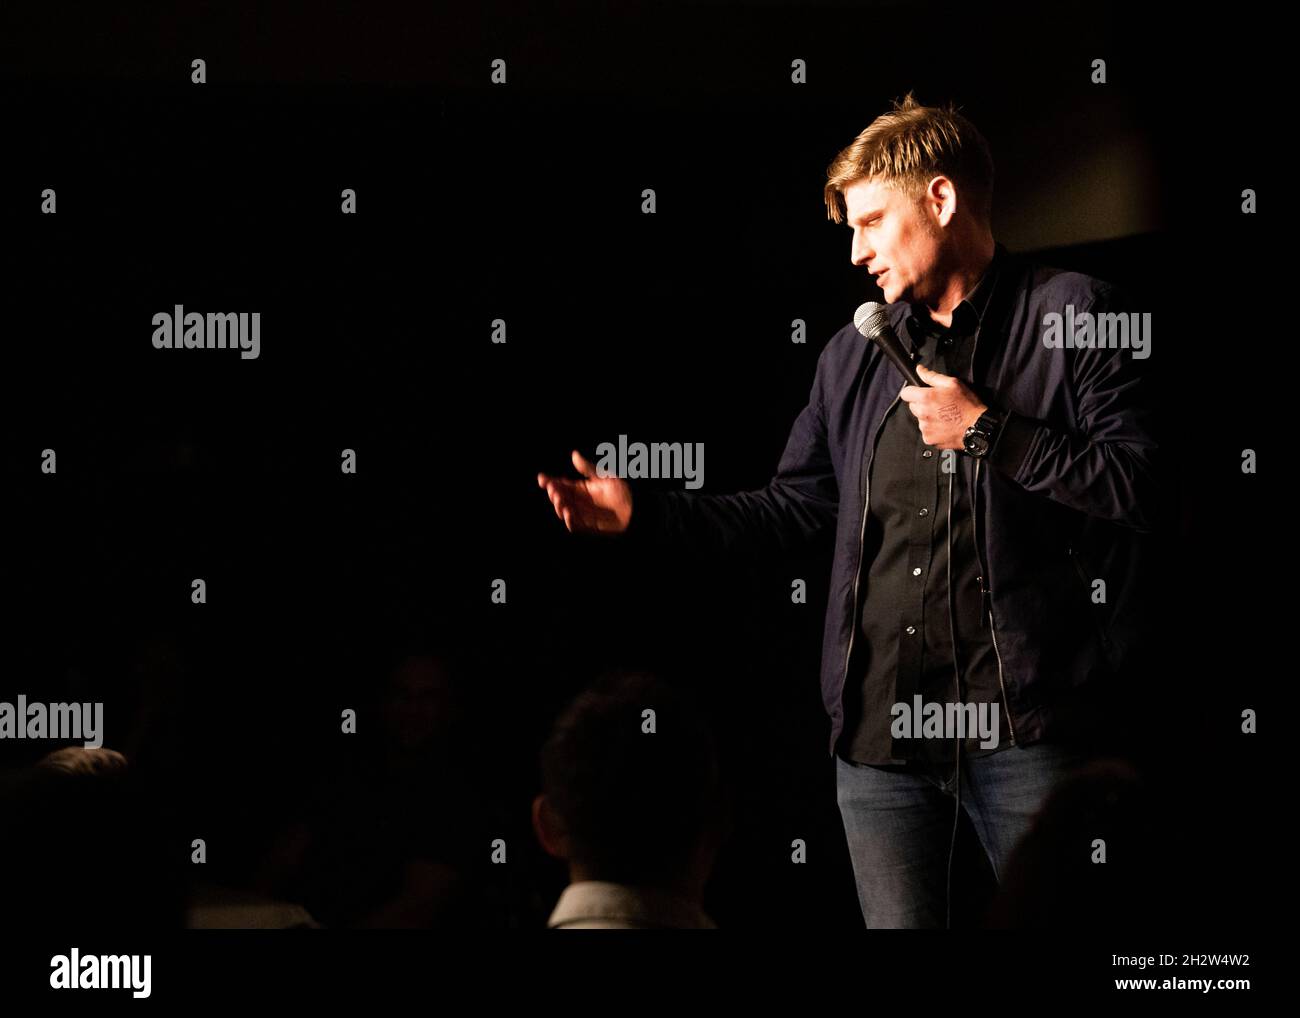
[87, 761]
[94, 852]
[1090, 858]
[631, 786]
[421, 702]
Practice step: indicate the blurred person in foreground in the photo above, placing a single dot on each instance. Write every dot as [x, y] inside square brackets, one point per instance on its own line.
[633, 801]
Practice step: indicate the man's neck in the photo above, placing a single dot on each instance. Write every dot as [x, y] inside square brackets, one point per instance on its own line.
[961, 283]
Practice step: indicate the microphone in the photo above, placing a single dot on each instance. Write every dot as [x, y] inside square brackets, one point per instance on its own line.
[872, 321]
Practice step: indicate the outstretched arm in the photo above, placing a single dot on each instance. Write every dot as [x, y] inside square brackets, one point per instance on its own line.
[798, 503]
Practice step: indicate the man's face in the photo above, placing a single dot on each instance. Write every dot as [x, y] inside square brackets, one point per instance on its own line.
[895, 238]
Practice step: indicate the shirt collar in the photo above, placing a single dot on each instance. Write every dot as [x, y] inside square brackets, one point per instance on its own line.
[604, 902]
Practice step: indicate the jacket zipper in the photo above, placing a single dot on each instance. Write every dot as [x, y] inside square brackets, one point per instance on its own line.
[986, 596]
[862, 532]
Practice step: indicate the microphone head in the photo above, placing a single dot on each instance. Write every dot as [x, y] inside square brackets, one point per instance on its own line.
[871, 318]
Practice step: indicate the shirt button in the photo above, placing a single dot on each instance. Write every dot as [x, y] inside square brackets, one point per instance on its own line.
[924, 512]
[911, 630]
[916, 571]
[927, 454]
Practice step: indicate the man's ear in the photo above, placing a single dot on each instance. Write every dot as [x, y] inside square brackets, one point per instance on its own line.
[941, 197]
[549, 831]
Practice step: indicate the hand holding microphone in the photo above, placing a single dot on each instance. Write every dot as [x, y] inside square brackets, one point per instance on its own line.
[948, 407]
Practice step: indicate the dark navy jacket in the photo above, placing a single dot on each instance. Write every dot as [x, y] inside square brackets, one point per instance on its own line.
[1057, 501]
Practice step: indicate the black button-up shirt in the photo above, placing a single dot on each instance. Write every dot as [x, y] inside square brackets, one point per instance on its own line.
[907, 624]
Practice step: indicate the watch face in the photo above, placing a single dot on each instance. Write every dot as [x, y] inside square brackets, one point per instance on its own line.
[976, 444]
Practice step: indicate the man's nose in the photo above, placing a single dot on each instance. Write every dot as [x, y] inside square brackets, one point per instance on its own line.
[861, 253]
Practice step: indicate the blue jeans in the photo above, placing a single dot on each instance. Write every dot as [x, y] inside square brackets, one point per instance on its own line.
[899, 825]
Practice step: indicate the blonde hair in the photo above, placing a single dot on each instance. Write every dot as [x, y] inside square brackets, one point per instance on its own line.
[907, 148]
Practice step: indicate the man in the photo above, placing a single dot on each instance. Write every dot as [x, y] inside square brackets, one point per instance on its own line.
[972, 516]
[634, 802]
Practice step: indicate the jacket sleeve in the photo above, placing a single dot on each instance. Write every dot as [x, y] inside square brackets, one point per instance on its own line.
[1106, 465]
[800, 501]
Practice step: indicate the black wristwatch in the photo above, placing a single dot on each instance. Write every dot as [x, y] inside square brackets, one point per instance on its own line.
[981, 435]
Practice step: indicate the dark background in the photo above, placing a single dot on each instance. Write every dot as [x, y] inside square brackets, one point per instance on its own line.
[522, 202]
